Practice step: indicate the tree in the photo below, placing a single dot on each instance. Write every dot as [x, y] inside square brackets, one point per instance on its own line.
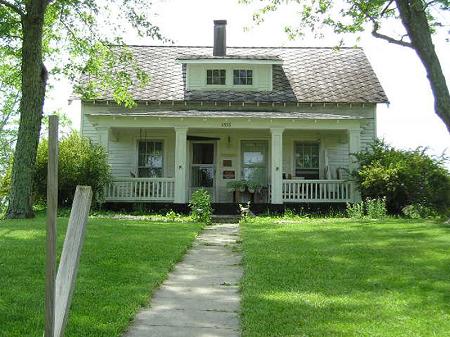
[419, 18]
[67, 35]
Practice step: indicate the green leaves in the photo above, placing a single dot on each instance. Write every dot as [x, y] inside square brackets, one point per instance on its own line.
[404, 177]
[82, 37]
[345, 16]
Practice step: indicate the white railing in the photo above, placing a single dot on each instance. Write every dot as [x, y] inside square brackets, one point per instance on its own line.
[317, 191]
[140, 189]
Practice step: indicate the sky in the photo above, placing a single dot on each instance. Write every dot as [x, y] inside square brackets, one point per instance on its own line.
[407, 122]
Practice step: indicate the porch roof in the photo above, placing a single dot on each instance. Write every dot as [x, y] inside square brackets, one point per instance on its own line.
[231, 114]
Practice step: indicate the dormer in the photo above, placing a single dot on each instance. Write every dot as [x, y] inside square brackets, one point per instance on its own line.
[219, 71]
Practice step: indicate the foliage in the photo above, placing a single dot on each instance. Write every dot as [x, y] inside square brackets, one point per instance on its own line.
[347, 16]
[123, 262]
[68, 38]
[403, 177]
[232, 185]
[338, 277]
[418, 211]
[412, 23]
[81, 37]
[355, 210]
[370, 208]
[241, 184]
[81, 162]
[254, 185]
[376, 208]
[173, 216]
[200, 205]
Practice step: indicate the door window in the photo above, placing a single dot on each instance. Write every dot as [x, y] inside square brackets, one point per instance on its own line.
[202, 165]
[254, 161]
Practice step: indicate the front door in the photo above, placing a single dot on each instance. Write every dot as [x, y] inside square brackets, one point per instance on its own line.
[203, 167]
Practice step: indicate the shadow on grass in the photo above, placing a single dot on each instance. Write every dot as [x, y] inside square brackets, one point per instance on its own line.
[347, 279]
[121, 263]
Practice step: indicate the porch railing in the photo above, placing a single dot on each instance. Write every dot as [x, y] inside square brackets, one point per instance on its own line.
[140, 189]
[317, 191]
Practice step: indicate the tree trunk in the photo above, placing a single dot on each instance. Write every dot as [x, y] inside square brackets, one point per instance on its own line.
[413, 16]
[34, 80]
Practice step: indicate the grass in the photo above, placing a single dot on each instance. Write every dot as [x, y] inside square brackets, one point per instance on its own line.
[122, 262]
[341, 277]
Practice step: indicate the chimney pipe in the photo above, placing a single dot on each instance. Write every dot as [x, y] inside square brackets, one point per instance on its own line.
[220, 38]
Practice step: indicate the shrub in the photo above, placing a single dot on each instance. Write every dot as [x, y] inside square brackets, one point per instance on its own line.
[355, 210]
[371, 208]
[376, 208]
[418, 211]
[200, 205]
[81, 162]
[403, 177]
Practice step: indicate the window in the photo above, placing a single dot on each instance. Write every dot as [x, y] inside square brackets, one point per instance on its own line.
[307, 160]
[150, 159]
[254, 161]
[203, 167]
[216, 76]
[243, 77]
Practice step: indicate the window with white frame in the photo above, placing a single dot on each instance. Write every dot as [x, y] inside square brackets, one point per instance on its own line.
[216, 76]
[242, 77]
[307, 160]
[150, 158]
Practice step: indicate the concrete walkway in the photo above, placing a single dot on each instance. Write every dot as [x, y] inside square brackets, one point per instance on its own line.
[200, 298]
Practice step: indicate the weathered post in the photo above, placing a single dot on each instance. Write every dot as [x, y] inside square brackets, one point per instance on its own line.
[70, 257]
[52, 208]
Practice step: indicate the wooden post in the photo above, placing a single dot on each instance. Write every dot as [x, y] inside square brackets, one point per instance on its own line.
[52, 208]
[354, 146]
[276, 174]
[180, 165]
[70, 257]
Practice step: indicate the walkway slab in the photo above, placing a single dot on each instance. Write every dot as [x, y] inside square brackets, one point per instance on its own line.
[200, 298]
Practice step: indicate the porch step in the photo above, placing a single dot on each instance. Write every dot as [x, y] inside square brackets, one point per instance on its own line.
[225, 218]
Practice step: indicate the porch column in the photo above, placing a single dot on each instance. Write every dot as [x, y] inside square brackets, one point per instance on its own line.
[277, 165]
[180, 165]
[354, 146]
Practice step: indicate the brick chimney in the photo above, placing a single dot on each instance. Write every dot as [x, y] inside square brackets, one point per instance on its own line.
[220, 38]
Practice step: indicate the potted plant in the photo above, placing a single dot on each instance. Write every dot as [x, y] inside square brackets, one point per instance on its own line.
[241, 185]
[231, 186]
[252, 186]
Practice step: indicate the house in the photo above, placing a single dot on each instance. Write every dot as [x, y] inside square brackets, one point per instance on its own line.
[285, 120]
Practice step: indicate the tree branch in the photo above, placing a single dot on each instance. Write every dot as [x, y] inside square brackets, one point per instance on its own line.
[389, 39]
[386, 8]
[13, 7]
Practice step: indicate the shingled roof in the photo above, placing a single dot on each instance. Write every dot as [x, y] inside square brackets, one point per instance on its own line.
[306, 75]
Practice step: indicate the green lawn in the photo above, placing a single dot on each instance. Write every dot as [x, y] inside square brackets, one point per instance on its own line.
[121, 263]
[338, 277]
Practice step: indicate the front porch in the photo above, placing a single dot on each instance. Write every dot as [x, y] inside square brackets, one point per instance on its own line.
[167, 164]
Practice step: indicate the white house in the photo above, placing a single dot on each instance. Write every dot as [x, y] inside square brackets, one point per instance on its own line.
[284, 119]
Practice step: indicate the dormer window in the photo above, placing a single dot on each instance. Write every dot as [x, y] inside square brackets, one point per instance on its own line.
[216, 76]
[242, 77]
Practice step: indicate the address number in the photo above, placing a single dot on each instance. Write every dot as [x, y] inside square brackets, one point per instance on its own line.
[226, 125]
